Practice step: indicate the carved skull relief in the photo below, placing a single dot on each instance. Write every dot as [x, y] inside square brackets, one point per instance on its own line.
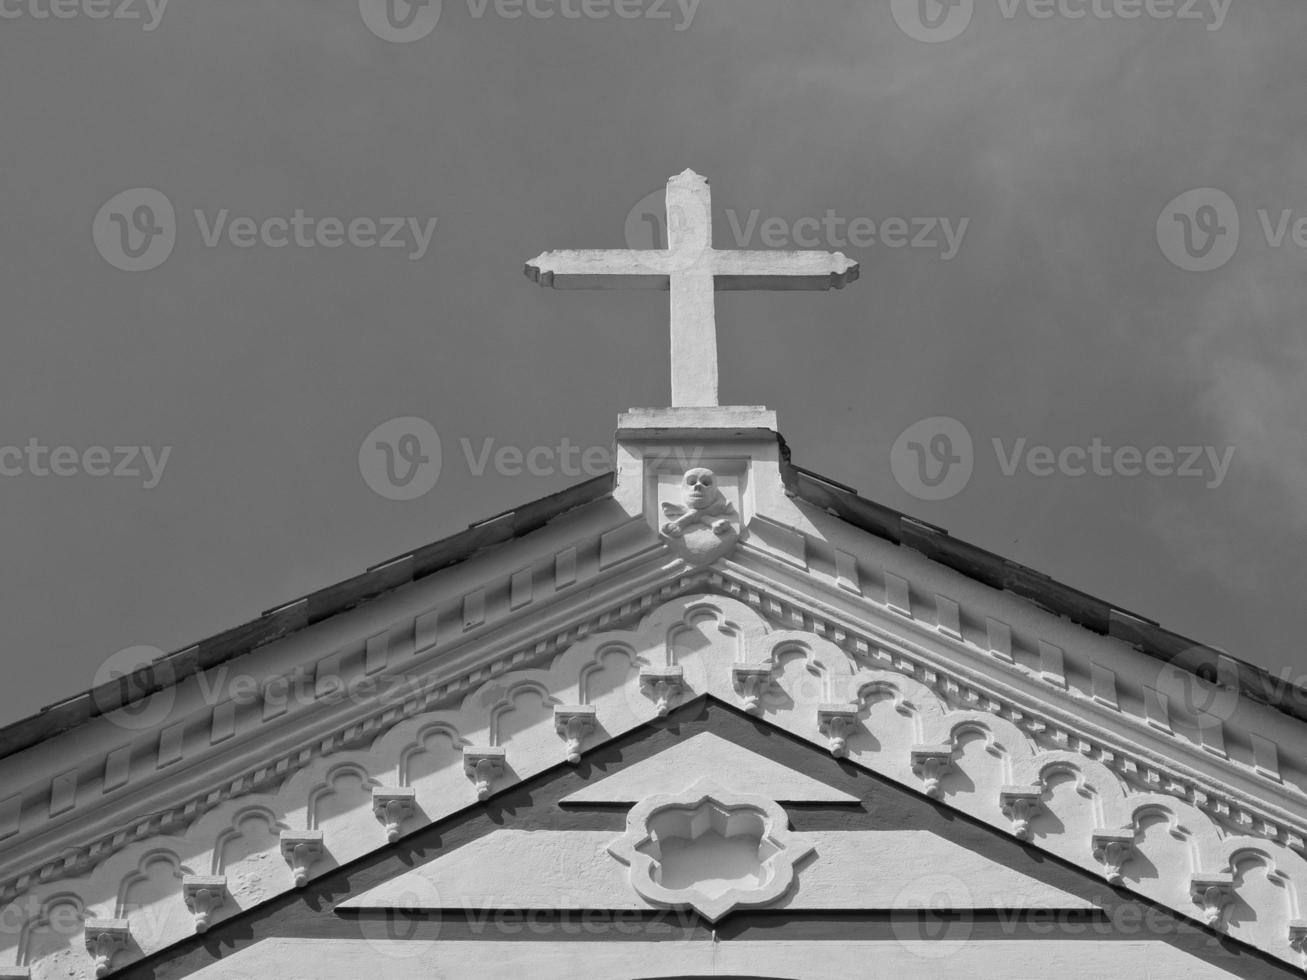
[701, 503]
[704, 525]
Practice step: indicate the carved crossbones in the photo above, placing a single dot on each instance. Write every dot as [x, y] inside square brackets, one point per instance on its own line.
[703, 504]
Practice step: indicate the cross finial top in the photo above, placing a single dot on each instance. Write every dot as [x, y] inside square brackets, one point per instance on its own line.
[692, 270]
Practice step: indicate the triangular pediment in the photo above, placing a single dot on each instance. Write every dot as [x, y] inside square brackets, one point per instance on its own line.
[897, 880]
[860, 865]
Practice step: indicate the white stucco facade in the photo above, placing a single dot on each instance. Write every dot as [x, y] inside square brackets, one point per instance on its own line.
[126, 837]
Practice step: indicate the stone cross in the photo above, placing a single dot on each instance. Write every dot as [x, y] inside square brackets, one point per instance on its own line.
[692, 270]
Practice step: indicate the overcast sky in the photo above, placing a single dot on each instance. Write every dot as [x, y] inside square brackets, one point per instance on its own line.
[1043, 288]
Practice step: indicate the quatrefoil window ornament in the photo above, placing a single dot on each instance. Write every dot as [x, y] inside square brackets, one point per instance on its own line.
[709, 848]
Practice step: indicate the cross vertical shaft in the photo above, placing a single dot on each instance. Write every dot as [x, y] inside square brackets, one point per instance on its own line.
[692, 306]
[694, 340]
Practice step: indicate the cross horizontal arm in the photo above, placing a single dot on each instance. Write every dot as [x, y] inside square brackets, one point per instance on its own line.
[776, 269]
[601, 269]
[730, 269]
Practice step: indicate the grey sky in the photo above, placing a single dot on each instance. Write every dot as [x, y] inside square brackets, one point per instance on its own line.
[1059, 320]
